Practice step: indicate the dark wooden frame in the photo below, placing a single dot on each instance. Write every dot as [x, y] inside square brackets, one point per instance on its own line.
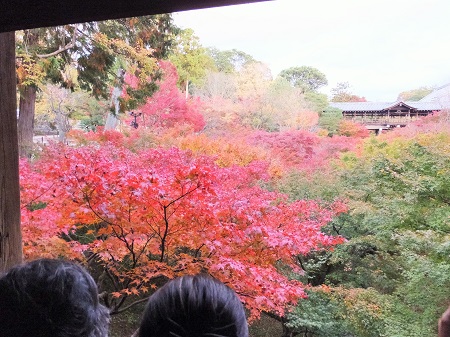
[10, 231]
[23, 14]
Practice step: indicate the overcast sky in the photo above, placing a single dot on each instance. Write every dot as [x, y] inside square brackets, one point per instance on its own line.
[381, 47]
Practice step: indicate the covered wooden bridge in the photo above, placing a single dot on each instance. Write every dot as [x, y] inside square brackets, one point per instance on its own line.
[386, 115]
[378, 116]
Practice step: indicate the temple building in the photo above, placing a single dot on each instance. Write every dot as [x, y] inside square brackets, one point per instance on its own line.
[380, 116]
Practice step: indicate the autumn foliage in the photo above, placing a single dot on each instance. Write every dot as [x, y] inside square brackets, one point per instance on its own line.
[168, 107]
[352, 129]
[298, 149]
[146, 205]
[163, 212]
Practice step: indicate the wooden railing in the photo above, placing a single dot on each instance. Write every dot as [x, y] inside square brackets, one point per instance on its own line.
[382, 119]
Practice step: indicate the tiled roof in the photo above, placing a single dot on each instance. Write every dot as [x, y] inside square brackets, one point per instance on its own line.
[378, 106]
[428, 105]
[440, 95]
[360, 106]
[437, 100]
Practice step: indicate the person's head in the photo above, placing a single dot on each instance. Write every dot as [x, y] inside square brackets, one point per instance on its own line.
[194, 306]
[50, 298]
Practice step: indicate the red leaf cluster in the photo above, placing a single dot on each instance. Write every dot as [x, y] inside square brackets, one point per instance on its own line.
[169, 107]
[164, 212]
[302, 149]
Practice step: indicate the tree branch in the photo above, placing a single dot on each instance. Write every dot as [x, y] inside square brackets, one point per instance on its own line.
[62, 49]
[118, 311]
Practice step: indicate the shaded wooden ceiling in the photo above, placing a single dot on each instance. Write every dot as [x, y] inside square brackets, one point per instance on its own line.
[24, 14]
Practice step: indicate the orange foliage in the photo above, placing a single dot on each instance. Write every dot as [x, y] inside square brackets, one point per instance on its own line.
[350, 128]
[228, 152]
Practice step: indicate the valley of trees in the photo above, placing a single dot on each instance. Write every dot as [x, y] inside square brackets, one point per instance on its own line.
[320, 227]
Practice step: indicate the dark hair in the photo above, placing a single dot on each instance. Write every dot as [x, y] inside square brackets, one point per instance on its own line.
[194, 306]
[50, 298]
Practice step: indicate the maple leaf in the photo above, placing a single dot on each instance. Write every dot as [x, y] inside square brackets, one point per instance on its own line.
[116, 294]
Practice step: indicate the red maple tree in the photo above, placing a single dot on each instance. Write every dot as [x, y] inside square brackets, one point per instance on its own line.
[168, 107]
[302, 150]
[154, 214]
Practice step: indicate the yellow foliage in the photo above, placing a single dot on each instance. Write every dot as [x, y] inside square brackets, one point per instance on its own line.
[228, 152]
[29, 72]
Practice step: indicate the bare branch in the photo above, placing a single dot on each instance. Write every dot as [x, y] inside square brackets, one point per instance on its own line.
[62, 49]
[118, 311]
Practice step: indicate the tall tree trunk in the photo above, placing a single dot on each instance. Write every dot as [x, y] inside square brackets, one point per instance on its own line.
[62, 124]
[187, 88]
[10, 234]
[113, 117]
[26, 120]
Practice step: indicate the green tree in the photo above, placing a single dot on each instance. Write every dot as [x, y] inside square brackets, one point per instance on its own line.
[393, 268]
[191, 59]
[339, 312]
[41, 55]
[306, 78]
[230, 61]
[330, 119]
[318, 315]
[131, 46]
[413, 175]
[399, 197]
[155, 31]
[414, 94]
[96, 50]
[318, 102]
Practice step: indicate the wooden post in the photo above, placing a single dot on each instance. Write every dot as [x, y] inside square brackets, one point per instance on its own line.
[10, 233]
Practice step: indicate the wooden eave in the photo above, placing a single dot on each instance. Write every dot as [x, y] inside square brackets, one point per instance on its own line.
[355, 111]
[399, 104]
[25, 14]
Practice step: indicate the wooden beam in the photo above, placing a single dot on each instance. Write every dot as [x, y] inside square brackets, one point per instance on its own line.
[24, 14]
[10, 234]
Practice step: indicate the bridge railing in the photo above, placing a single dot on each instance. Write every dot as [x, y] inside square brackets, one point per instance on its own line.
[382, 120]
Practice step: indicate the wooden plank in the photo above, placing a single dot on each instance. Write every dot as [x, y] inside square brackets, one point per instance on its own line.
[10, 234]
[24, 14]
